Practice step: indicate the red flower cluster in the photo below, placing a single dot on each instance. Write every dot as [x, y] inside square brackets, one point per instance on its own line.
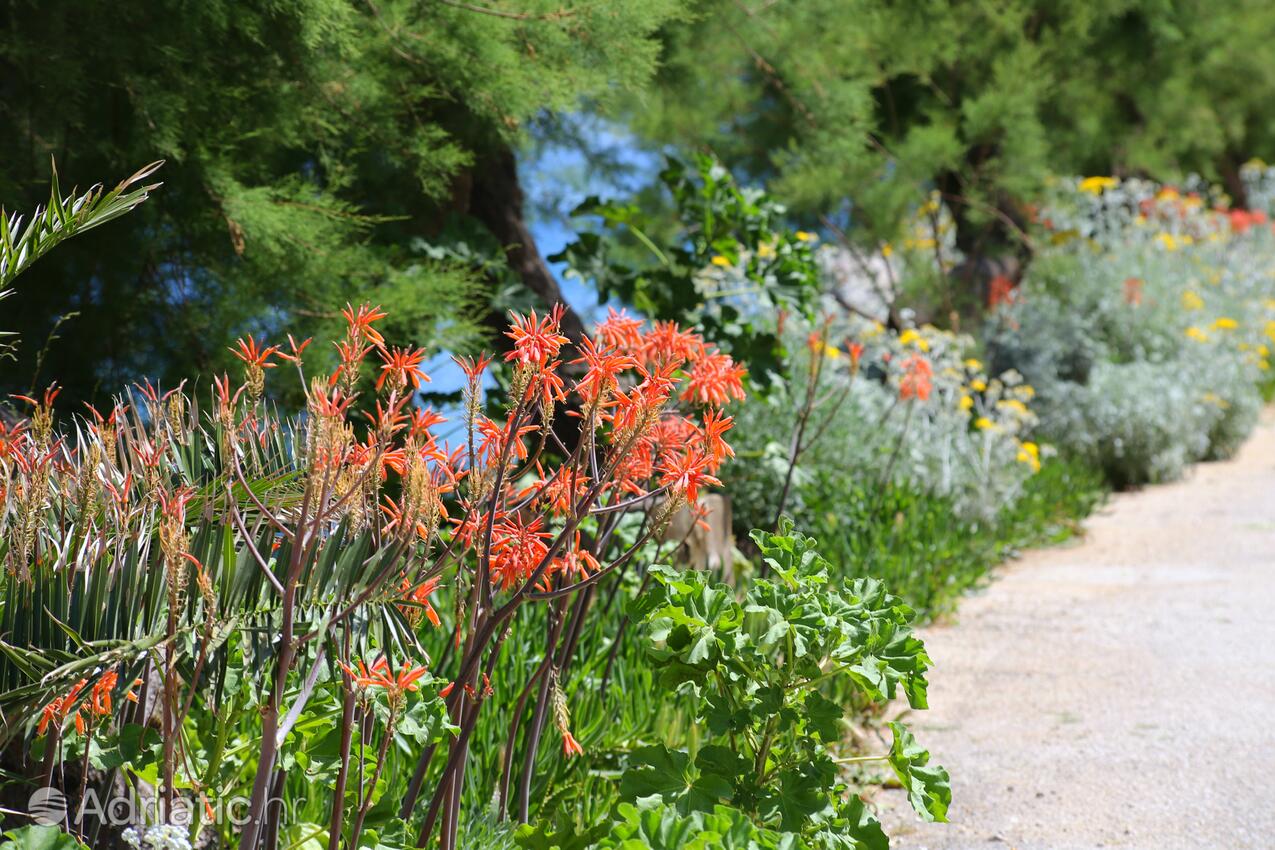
[1242, 220]
[98, 704]
[1000, 290]
[915, 383]
[1133, 291]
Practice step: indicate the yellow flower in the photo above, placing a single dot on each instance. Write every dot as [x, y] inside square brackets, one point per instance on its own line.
[1222, 323]
[1167, 240]
[1167, 194]
[973, 365]
[1014, 405]
[1263, 351]
[912, 337]
[1270, 329]
[1197, 334]
[1263, 365]
[1027, 391]
[1029, 453]
[831, 352]
[965, 403]
[806, 237]
[982, 423]
[719, 260]
[765, 251]
[887, 250]
[1192, 301]
[978, 385]
[1097, 185]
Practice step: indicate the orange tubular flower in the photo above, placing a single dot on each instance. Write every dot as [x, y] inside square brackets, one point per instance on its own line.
[492, 440]
[915, 382]
[559, 492]
[547, 385]
[249, 353]
[715, 379]
[360, 322]
[295, 356]
[718, 450]
[516, 550]
[420, 595]
[59, 707]
[423, 420]
[570, 746]
[536, 340]
[100, 696]
[473, 368]
[380, 676]
[403, 364]
[667, 343]
[577, 563]
[686, 473]
[620, 331]
[604, 368]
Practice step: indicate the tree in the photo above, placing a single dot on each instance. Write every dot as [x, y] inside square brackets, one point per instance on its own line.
[855, 110]
[318, 151]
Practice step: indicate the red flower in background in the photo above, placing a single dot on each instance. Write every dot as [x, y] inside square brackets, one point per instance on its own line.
[915, 382]
[1000, 290]
[1242, 220]
[1133, 291]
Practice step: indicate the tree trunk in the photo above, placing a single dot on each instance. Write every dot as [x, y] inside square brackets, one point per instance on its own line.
[1229, 168]
[496, 199]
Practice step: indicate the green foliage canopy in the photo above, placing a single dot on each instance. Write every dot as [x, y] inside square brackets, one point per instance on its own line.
[314, 148]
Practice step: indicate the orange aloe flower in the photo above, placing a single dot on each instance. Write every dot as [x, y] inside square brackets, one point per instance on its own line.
[420, 595]
[403, 364]
[536, 340]
[380, 676]
[715, 379]
[570, 746]
[620, 331]
[686, 473]
[249, 353]
[360, 322]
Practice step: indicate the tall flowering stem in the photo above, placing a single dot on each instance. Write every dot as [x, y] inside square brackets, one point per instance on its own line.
[158, 540]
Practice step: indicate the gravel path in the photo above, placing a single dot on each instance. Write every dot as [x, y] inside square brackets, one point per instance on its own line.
[1119, 692]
